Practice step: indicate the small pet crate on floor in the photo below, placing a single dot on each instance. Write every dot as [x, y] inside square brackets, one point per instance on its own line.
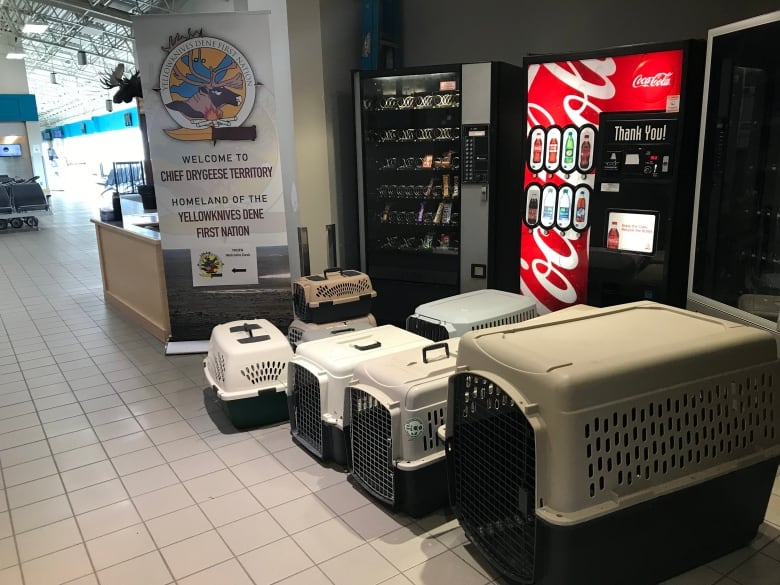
[301, 332]
[612, 446]
[247, 367]
[337, 295]
[318, 374]
[395, 409]
[454, 316]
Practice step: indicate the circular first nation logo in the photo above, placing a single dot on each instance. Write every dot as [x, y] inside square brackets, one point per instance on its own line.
[207, 82]
[414, 428]
[210, 265]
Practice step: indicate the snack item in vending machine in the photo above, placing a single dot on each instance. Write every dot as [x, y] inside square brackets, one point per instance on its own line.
[445, 186]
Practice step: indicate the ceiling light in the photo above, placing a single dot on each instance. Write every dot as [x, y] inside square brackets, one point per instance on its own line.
[15, 56]
[82, 57]
[34, 29]
[53, 77]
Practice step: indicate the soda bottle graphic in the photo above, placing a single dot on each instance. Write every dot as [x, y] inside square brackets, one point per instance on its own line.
[552, 154]
[613, 237]
[564, 208]
[585, 153]
[536, 158]
[579, 210]
[568, 150]
[533, 208]
[548, 207]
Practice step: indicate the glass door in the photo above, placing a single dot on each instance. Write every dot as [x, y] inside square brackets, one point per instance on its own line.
[411, 176]
[736, 261]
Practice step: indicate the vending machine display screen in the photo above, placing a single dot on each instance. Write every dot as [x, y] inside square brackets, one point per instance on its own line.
[629, 231]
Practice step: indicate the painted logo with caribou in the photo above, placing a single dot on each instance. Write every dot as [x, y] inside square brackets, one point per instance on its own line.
[208, 88]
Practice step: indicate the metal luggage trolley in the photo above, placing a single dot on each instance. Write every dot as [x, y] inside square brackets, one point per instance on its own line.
[583, 443]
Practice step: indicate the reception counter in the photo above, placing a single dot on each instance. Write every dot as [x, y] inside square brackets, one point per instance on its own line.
[132, 269]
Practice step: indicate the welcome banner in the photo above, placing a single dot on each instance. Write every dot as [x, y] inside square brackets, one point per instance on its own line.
[210, 113]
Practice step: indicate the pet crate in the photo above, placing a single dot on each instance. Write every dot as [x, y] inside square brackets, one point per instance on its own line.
[247, 367]
[301, 332]
[581, 445]
[395, 408]
[318, 374]
[454, 316]
[337, 295]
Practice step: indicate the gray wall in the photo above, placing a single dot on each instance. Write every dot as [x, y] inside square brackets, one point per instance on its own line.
[341, 31]
[457, 31]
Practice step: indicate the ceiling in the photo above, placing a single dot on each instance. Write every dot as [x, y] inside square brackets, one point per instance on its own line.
[100, 28]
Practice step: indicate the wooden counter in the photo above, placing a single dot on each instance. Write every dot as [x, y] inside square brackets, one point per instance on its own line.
[133, 276]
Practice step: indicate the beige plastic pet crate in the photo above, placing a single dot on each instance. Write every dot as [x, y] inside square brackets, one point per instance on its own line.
[396, 405]
[337, 295]
[301, 332]
[246, 365]
[612, 446]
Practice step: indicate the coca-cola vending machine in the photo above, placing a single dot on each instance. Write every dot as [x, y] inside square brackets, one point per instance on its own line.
[609, 175]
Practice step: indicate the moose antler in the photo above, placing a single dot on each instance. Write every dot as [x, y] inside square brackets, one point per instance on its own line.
[129, 87]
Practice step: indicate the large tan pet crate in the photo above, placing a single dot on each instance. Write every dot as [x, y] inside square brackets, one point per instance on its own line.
[247, 367]
[396, 406]
[318, 374]
[335, 296]
[612, 446]
[301, 332]
[479, 309]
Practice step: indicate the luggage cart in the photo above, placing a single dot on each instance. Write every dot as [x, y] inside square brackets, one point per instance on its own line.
[22, 204]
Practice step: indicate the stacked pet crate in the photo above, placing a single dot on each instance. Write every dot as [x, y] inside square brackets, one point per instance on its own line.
[585, 442]
[338, 301]
[246, 366]
[481, 309]
[396, 404]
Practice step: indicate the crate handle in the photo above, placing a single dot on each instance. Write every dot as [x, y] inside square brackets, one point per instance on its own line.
[369, 346]
[325, 272]
[343, 330]
[443, 346]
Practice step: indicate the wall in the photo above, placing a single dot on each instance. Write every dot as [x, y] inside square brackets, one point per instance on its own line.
[15, 166]
[454, 31]
[13, 75]
[341, 42]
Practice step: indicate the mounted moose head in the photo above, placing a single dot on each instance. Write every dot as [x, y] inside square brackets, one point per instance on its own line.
[129, 87]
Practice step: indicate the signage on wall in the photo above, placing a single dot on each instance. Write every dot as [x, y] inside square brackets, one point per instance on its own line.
[212, 130]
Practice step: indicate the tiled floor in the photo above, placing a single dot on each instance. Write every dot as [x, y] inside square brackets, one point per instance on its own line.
[117, 470]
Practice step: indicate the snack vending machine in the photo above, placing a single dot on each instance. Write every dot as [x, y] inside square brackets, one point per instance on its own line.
[609, 175]
[735, 257]
[438, 155]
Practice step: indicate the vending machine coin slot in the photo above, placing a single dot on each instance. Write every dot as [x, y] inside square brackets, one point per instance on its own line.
[476, 153]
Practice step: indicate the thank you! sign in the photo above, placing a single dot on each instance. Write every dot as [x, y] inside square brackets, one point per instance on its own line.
[211, 124]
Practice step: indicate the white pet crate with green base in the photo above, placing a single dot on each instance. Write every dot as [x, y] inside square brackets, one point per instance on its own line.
[612, 446]
[247, 367]
[396, 405]
[301, 331]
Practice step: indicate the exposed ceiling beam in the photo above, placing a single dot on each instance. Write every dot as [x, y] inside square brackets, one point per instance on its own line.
[99, 12]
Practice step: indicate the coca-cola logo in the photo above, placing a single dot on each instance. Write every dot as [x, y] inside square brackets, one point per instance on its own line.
[657, 80]
[653, 79]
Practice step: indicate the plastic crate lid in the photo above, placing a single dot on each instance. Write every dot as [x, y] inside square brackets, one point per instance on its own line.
[474, 307]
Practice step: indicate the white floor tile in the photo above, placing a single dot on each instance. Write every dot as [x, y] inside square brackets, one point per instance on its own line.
[302, 513]
[316, 477]
[757, 570]
[328, 540]
[118, 428]
[24, 453]
[445, 569]
[408, 546]
[108, 519]
[279, 490]
[311, 576]
[371, 521]
[237, 453]
[179, 525]
[120, 546]
[34, 491]
[212, 485]
[97, 496]
[170, 432]
[127, 444]
[48, 539]
[182, 448]
[137, 461]
[197, 465]
[195, 554]
[230, 507]
[251, 533]
[360, 566]
[39, 514]
[275, 561]
[82, 477]
[11, 576]
[8, 556]
[258, 470]
[79, 457]
[59, 567]
[109, 415]
[162, 501]
[229, 572]
[73, 441]
[149, 480]
[148, 569]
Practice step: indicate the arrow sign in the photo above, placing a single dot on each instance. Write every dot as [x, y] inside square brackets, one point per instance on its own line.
[239, 270]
